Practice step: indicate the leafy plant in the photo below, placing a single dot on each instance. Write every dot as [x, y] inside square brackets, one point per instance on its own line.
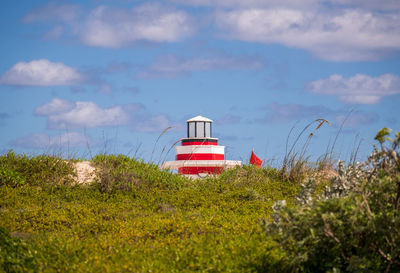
[39, 170]
[16, 255]
[353, 225]
[124, 173]
[10, 177]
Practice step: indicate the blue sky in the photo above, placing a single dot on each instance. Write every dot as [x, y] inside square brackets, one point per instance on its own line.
[85, 77]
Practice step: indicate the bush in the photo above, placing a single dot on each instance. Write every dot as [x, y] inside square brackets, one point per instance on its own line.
[10, 177]
[15, 254]
[39, 170]
[119, 172]
[354, 225]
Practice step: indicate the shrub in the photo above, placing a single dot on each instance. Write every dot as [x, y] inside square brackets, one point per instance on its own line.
[119, 172]
[10, 177]
[354, 225]
[18, 169]
[15, 254]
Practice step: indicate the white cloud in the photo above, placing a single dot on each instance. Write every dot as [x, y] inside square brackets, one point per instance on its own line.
[64, 114]
[44, 141]
[84, 114]
[172, 66]
[360, 89]
[368, 4]
[348, 35]
[247, 3]
[302, 4]
[41, 72]
[56, 106]
[114, 28]
[335, 30]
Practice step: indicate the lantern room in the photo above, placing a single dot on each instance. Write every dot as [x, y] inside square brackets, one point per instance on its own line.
[199, 132]
[199, 127]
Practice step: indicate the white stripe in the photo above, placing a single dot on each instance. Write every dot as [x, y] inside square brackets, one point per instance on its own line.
[196, 176]
[200, 163]
[200, 149]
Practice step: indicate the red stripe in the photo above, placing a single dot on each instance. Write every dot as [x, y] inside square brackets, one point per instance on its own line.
[197, 170]
[200, 157]
[199, 143]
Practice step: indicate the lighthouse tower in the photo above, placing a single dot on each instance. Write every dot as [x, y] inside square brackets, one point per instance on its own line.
[199, 154]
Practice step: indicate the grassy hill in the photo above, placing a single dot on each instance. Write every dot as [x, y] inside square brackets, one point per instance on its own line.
[137, 218]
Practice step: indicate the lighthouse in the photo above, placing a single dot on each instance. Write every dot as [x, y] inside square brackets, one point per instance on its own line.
[199, 154]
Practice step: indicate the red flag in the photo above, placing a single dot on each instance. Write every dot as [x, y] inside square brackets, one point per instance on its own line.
[254, 160]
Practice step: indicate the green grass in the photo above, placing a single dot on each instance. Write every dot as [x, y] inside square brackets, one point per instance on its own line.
[136, 218]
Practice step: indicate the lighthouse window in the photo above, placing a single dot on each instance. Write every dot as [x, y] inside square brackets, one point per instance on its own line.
[200, 129]
[208, 129]
[191, 129]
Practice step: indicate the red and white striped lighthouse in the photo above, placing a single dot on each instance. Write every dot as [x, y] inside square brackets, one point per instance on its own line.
[199, 154]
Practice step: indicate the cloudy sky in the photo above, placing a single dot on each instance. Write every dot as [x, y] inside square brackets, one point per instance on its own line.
[85, 77]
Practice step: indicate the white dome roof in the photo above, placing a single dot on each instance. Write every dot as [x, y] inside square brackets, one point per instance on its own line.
[199, 118]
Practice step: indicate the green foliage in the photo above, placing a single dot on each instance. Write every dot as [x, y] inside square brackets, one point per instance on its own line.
[39, 170]
[258, 183]
[119, 172]
[353, 225]
[137, 218]
[15, 254]
[10, 177]
[382, 134]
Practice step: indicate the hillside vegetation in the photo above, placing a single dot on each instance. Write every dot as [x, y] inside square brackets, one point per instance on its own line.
[137, 218]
